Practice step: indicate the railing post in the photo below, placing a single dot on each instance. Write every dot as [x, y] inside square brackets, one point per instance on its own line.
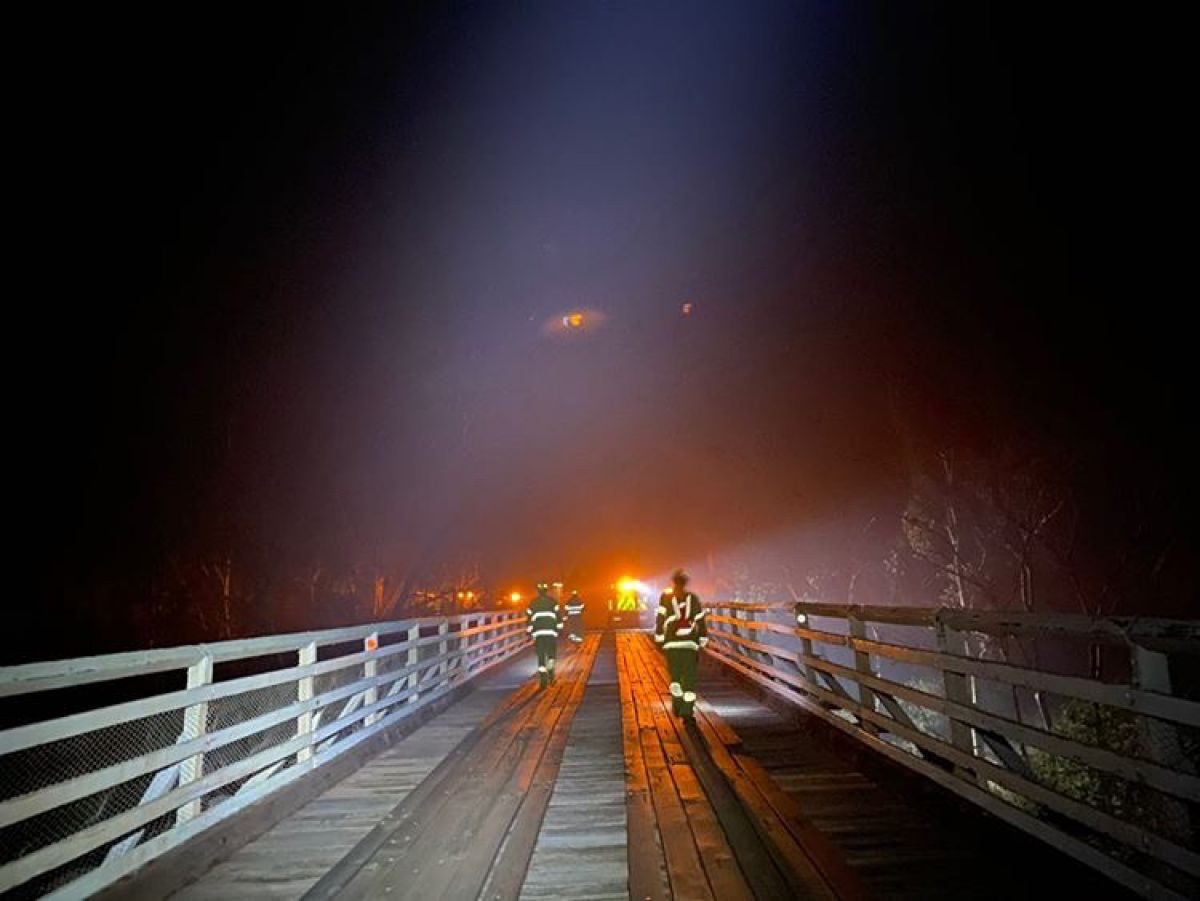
[762, 657]
[862, 663]
[483, 622]
[370, 670]
[304, 692]
[1158, 742]
[806, 649]
[195, 724]
[955, 687]
[443, 649]
[464, 645]
[737, 614]
[412, 659]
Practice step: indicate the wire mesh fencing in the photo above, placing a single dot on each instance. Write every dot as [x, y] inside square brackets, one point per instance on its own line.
[133, 766]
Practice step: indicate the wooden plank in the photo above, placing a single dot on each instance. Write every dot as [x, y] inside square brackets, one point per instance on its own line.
[1158, 634]
[821, 851]
[474, 859]
[33, 734]
[208, 855]
[1126, 697]
[964, 716]
[195, 724]
[1076, 848]
[512, 862]
[753, 625]
[338, 876]
[582, 849]
[647, 866]
[504, 843]
[1167, 635]
[721, 868]
[939, 750]
[720, 863]
[681, 856]
[420, 856]
[32, 677]
[448, 846]
[804, 878]
[684, 869]
[862, 665]
[721, 729]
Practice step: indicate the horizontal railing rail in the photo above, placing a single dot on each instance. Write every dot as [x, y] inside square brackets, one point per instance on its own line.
[1003, 709]
[90, 795]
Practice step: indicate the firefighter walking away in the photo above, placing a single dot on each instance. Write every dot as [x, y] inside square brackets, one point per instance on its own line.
[575, 617]
[680, 630]
[544, 624]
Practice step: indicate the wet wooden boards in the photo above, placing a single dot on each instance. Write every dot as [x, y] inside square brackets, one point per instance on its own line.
[719, 834]
[472, 830]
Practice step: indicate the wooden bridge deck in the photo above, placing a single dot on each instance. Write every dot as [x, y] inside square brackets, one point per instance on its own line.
[593, 790]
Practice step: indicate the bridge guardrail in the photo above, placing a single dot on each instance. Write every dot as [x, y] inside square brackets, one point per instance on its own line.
[1103, 770]
[148, 749]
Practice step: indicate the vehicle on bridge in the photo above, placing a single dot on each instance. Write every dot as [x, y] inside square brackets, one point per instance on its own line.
[628, 608]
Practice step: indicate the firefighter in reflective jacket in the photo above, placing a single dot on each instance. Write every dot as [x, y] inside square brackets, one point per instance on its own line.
[575, 617]
[544, 625]
[679, 629]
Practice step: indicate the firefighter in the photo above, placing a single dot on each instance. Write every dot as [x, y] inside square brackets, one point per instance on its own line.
[544, 625]
[575, 616]
[680, 630]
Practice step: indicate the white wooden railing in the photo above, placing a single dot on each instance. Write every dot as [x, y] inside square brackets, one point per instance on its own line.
[1000, 709]
[100, 776]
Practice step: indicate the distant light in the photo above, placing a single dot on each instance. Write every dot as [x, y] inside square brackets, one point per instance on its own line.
[470, 595]
[801, 619]
[686, 309]
[515, 597]
[573, 324]
[628, 585]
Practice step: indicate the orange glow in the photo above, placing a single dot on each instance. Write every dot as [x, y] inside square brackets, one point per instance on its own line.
[573, 320]
[515, 597]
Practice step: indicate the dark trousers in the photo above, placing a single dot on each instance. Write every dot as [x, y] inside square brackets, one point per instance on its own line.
[681, 664]
[547, 651]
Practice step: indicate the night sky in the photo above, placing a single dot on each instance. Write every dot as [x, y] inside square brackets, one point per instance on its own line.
[297, 281]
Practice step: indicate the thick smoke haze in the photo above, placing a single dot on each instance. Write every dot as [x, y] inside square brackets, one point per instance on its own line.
[302, 278]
